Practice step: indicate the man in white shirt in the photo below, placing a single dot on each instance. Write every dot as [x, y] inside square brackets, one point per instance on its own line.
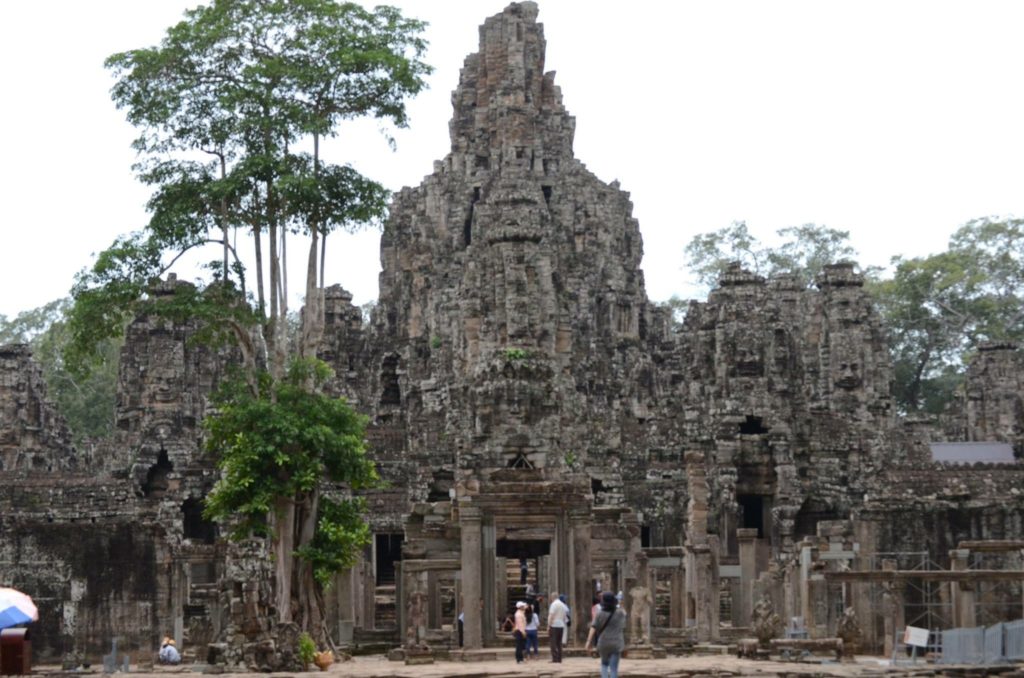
[558, 615]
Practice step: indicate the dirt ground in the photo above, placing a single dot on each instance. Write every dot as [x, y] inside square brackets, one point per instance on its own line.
[577, 667]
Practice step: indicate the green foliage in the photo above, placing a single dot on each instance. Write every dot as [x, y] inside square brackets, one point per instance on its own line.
[940, 307]
[87, 400]
[282, 442]
[341, 534]
[306, 649]
[804, 251]
[435, 342]
[516, 354]
[570, 459]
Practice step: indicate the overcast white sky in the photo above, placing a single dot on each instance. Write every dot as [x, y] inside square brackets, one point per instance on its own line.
[895, 120]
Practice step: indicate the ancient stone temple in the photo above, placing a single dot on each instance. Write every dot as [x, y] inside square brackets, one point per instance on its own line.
[543, 427]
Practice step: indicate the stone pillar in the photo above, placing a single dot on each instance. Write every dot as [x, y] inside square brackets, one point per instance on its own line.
[501, 587]
[583, 590]
[701, 552]
[747, 538]
[677, 610]
[962, 593]
[472, 595]
[488, 571]
[369, 596]
[346, 584]
[861, 592]
[433, 601]
[892, 607]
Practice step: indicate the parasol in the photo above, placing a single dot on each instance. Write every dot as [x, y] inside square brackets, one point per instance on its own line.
[16, 608]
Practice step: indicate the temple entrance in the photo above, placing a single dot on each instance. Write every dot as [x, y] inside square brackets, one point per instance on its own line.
[522, 560]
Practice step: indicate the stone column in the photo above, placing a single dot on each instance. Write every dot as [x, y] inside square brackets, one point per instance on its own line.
[583, 591]
[747, 538]
[346, 584]
[501, 586]
[369, 605]
[433, 601]
[963, 596]
[701, 551]
[892, 607]
[488, 572]
[861, 593]
[472, 595]
[677, 611]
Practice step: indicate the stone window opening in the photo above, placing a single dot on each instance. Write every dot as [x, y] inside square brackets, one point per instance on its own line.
[520, 462]
[391, 392]
[548, 191]
[156, 477]
[441, 484]
[752, 426]
[387, 551]
[195, 526]
[752, 512]
[467, 226]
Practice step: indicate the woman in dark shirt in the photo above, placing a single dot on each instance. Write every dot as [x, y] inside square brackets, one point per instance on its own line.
[606, 633]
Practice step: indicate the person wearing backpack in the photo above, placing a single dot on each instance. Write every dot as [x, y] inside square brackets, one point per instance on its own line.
[607, 635]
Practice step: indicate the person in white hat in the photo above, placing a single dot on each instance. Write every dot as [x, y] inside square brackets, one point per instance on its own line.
[519, 632]
[168, 653]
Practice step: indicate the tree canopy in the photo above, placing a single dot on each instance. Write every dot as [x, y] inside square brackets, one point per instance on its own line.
[937, 309]
[86, 400]
[232, 108]
[803, 252]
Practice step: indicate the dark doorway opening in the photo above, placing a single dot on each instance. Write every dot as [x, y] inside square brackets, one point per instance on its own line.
[752, 508]
[523, 548]
[389, 551]
[156, 478]
[753, 426]
[195, 526]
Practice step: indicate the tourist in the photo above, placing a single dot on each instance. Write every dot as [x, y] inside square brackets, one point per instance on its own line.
[595, 608]
[519, 632]
[168, 653]
[606, 634]
[462, 627]
[558, 615]
[568, 620]
[532, 624]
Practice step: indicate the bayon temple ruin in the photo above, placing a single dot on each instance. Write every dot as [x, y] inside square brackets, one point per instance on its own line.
[530, 406]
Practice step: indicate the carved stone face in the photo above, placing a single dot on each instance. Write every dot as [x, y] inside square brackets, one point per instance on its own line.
[513, 212]
[847, 366]
[748, 359]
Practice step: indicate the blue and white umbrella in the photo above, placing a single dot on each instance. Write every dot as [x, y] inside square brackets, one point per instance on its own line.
[16, 608]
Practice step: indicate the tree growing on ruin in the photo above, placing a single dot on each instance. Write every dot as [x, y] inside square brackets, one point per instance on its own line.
[939, 308]
[803, 251]
[232, 109]
[87, 400]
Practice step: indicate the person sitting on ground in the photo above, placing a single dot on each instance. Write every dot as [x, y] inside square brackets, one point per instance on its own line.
[168, 653]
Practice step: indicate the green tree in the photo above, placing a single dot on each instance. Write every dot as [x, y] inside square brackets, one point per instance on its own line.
[276, 447]
[804, 251]
[232, 107]
[940, 307]
[86, 401]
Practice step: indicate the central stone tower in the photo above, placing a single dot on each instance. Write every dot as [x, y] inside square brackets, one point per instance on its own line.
[512, 313]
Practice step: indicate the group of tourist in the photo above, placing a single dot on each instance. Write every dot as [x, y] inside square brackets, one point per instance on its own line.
[606, 635]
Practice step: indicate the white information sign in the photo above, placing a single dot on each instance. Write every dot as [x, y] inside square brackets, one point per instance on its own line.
[915, 636]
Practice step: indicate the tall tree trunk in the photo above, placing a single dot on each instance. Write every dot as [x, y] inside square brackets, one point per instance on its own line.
[311, 611]
[313, 314]
[224, 216]
[284, 560]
